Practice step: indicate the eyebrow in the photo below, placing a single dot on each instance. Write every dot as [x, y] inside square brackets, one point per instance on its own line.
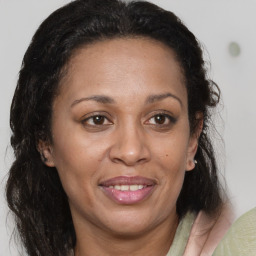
[158, 97]
[98, 98]
[108, 100]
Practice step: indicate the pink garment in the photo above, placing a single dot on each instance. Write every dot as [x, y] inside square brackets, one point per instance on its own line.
[207, 232]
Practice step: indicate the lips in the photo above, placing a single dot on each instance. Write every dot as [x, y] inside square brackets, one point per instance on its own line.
[128, 190]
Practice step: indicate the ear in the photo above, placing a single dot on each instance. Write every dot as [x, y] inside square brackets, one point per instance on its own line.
[193, 143]
[46, 151]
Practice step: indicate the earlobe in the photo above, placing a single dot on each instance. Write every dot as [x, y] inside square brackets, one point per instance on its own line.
[193, 144]
[191, 162]
[46, 153]
[191, 165]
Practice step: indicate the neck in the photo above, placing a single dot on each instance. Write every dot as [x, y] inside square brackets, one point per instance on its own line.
[155, 242]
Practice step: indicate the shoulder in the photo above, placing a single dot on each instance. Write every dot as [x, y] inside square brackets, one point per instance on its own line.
[241, 237]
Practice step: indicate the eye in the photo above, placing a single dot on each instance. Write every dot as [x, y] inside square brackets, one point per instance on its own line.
[161, 120]
[97, 120]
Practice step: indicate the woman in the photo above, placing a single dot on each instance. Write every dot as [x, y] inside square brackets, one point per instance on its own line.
[110, 123]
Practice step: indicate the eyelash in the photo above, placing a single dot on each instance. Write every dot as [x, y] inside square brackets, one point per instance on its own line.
[93, 119]
[102, 119]
[167, 117]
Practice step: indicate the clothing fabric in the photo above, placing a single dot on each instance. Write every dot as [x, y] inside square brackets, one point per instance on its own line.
[199, 235]
[240, 240]
[182, 235]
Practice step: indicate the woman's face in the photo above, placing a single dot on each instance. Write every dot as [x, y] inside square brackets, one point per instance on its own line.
[121, 137]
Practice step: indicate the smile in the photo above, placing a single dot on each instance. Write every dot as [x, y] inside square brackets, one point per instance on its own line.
[128, 187]
[128, 190]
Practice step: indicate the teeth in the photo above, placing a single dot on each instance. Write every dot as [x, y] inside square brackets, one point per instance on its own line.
[134, 187]
[124, 188]
[128, 187]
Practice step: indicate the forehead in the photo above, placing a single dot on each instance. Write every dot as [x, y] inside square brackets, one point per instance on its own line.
[126, 50]
[137, 64]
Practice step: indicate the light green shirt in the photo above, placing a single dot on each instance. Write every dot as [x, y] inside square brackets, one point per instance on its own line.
[240, 240]
[182, 235]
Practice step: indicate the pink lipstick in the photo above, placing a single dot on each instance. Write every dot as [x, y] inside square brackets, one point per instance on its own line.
[128, 190]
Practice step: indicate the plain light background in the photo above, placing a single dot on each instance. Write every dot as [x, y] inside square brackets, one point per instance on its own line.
[216, 24]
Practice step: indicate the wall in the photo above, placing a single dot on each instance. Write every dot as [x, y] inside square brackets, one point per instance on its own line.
[216, 24]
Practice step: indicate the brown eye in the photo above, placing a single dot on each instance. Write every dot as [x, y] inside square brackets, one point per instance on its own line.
[160, 119]
[96, 120]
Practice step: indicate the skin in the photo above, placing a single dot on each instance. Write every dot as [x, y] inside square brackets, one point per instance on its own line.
[137, 134]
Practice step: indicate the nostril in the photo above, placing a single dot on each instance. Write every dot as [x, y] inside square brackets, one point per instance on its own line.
[129, 149]
[129, 161]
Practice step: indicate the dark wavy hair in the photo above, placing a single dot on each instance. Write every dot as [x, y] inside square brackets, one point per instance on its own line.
[34, 191]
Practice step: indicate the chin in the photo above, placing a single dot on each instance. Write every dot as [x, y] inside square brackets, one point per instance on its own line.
[131, 224]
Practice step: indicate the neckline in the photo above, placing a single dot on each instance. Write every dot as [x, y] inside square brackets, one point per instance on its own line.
[182, 235]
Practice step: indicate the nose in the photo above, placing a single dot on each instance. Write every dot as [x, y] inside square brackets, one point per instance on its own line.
[130, 147]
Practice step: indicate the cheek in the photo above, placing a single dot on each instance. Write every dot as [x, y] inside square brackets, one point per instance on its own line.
[171, 158]
[171, 154]
[77, 160]
[75, 149]
[172, 162]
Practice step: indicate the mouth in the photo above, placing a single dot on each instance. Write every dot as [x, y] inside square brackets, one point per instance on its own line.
[128, 190]
[133, 187]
